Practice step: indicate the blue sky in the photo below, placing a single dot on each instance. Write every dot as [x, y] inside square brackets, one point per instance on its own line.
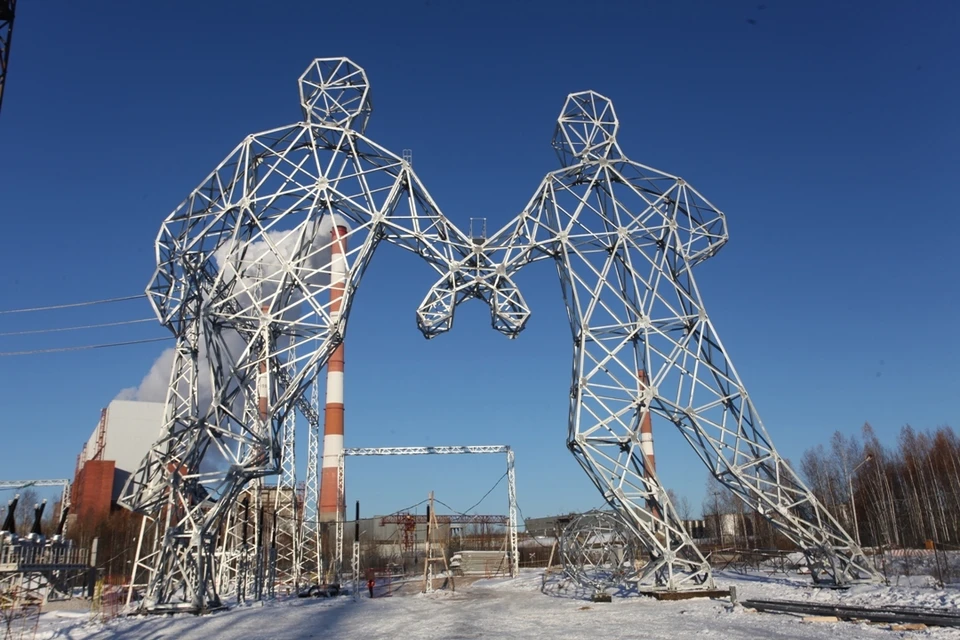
[826, 133]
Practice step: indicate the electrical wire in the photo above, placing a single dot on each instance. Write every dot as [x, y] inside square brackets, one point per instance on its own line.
[73, 304]
[413, 506]
[85, 347]
[398, 511]
[463, 513]
[487, 493]
[77, 328]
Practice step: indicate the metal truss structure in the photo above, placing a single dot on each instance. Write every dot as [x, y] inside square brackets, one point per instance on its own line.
[244, 275]
[285, 506]
[310, 549]
[625, 238]
[440, 450]
[598, 551]
[244, 278]
[8, 10]
[16, 485]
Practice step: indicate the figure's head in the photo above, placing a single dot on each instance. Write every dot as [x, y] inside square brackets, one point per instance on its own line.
[586, 128]
[335, 91]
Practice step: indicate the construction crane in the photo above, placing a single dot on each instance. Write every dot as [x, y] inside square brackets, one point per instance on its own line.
[7, 11]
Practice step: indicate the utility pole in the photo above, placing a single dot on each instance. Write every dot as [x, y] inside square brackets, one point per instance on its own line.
[431, 547]
[853, 504]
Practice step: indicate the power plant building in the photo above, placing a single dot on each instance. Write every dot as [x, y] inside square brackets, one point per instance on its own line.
[119, 441]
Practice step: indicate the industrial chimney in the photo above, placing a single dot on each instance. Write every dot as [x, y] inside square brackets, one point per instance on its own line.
[330, 506]
[646, 428]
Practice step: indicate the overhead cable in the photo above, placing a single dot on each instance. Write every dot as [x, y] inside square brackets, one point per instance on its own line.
[77, 328]
[467, 512]
[83, 347]
[73, 304]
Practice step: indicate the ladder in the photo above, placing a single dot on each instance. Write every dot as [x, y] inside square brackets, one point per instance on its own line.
[434, 545]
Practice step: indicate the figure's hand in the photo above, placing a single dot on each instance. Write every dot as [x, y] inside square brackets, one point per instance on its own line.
[509, 311]
[435, 314]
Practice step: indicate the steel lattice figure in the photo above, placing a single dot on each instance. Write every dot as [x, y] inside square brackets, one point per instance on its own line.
[625, 239]
[243, 276]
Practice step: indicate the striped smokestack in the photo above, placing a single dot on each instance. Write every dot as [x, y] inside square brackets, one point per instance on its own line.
[330, 506]
[646, 440]
[646, 428]
[263, 379]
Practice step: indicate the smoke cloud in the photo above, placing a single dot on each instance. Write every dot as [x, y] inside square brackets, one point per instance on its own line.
[153, 387]
[260, 266]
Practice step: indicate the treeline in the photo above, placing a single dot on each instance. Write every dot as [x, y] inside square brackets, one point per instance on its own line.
[904, 495]
[25, 512]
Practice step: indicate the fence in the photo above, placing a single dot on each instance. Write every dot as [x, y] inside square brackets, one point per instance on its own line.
[21, 557]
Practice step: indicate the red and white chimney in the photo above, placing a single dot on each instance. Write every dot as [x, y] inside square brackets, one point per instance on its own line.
[330, 506]
[646, 428]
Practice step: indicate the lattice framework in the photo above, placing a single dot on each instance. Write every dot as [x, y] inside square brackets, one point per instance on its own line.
[244, 275]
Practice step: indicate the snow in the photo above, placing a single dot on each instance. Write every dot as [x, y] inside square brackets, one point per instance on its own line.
[504, 608]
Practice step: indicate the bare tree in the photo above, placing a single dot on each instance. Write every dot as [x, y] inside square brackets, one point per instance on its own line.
[681, 504]
[24, 513]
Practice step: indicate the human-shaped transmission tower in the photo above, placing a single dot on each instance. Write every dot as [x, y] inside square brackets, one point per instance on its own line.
[258, 268]
[247, 267]
[625, 238]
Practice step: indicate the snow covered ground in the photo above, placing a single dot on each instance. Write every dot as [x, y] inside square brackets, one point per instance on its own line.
[518, 609]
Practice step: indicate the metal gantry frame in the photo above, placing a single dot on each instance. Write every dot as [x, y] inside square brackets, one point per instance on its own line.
[244, 274]
[439, 450]
[311, 551]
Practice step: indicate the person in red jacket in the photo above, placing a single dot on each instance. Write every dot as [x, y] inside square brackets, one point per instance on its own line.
[371, 583]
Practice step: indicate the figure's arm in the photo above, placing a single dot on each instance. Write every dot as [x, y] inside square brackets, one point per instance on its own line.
[465, 265]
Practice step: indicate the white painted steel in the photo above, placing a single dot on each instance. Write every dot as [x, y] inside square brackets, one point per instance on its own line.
[286, 508]
[310, 548]
[624, 239]
[244, 270]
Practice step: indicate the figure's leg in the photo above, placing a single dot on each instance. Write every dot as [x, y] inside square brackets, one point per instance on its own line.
[609, 402]
[709, 404]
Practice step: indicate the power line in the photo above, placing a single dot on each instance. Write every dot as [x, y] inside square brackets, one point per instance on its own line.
[85, 326]
[82, 347]
[463, 513]
[74, 304]
[495, 485]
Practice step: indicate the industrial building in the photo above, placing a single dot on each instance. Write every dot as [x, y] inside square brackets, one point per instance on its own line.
[554, 525]
[118, 443]
[399, 540]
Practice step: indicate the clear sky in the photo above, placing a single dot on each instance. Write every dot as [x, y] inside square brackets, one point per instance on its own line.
[826, 131]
